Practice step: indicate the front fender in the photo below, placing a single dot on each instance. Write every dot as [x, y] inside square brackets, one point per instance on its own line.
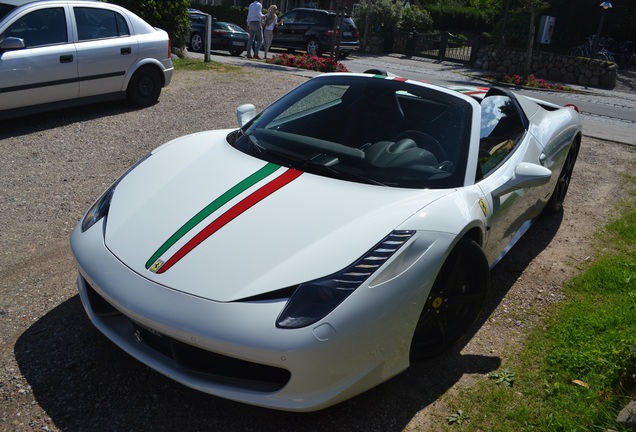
[457, 213]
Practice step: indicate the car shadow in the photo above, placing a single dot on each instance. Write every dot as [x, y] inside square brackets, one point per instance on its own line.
[62, 117]
[84, 382]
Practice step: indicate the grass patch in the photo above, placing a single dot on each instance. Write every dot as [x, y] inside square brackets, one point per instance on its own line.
[194, 64]
[574, 370]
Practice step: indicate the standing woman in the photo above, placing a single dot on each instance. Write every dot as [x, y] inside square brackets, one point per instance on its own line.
[270, 24]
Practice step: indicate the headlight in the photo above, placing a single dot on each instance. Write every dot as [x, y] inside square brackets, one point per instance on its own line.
[313, 300]
[102, 205]
[98, 210]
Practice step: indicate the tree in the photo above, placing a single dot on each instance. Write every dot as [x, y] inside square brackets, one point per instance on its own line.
[383, 14]
[533, 6]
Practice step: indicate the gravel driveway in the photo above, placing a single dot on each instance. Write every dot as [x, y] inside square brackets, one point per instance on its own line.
[58, 373]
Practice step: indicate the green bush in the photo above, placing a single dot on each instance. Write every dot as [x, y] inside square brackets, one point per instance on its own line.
[460, 18]
[416, 18]
[384, 14]
[171, 16]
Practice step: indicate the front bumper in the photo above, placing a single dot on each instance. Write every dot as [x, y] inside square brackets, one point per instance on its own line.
[235, 351]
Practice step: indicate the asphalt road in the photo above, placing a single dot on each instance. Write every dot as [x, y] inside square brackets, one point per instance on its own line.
[607, 114]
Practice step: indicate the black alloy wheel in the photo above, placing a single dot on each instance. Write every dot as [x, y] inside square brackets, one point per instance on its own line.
[555, 205]
[454, 302]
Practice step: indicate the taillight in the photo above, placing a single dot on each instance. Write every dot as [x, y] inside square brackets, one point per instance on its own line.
[169, 48]
[573, 107]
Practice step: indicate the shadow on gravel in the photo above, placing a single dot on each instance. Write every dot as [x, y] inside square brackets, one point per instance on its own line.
[63, 117]
[84, 382]
[510, 268]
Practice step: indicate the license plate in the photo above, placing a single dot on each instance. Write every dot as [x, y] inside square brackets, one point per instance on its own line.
[346, 34]
[238, 43]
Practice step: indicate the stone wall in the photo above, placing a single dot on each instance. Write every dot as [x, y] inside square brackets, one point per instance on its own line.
[375, 43]
[553, 67]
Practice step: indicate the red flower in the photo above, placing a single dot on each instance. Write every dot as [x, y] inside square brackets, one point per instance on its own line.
[310, 62]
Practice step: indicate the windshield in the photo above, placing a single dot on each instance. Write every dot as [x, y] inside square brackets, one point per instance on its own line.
[374, 130]
[5, 9]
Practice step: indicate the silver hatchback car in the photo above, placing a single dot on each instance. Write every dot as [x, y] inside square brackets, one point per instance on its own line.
[60, 53]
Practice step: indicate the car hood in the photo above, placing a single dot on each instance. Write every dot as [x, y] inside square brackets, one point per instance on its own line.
[201, 217]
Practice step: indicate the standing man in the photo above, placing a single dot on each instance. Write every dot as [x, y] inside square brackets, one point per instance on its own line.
[254, 19]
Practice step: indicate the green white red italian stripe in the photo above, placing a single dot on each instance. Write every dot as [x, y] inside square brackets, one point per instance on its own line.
[158, 265]
[472, 90]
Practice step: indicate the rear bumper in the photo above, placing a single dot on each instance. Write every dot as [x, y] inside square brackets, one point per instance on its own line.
[168, 70]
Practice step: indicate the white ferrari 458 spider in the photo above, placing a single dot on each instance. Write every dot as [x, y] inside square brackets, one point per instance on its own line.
[333, 238]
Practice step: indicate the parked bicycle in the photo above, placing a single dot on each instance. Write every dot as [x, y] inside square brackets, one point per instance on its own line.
[586, 50]
[624, 53]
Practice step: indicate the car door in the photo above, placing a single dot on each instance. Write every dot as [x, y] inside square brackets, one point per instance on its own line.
[44, 68]
[106, 50]
[295, 24]
[504, 145]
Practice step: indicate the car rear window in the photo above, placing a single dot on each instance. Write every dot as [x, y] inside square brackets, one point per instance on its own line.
[235, 28]
[347, 21]
[94, 23]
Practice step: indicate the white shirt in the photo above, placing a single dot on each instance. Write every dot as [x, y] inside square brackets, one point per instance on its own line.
[273, 18]
[254, 12]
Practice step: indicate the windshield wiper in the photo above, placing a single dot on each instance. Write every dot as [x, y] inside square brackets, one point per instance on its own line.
[254, 145]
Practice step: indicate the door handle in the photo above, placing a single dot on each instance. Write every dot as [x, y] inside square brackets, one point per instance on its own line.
[126, 51]
[66, 58]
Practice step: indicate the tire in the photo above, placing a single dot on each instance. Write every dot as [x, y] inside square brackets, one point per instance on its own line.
[579, 52]
[454, 302]
[144, 87]
[604, 56]
[313, 47]
[555, 205]
[236, 53]
[196, 42]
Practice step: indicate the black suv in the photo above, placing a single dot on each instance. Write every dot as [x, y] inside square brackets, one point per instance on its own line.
[313, 30]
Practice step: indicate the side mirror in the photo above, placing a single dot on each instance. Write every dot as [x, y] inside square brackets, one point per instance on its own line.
[12, 43]
[245, 113]
[526, 175]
